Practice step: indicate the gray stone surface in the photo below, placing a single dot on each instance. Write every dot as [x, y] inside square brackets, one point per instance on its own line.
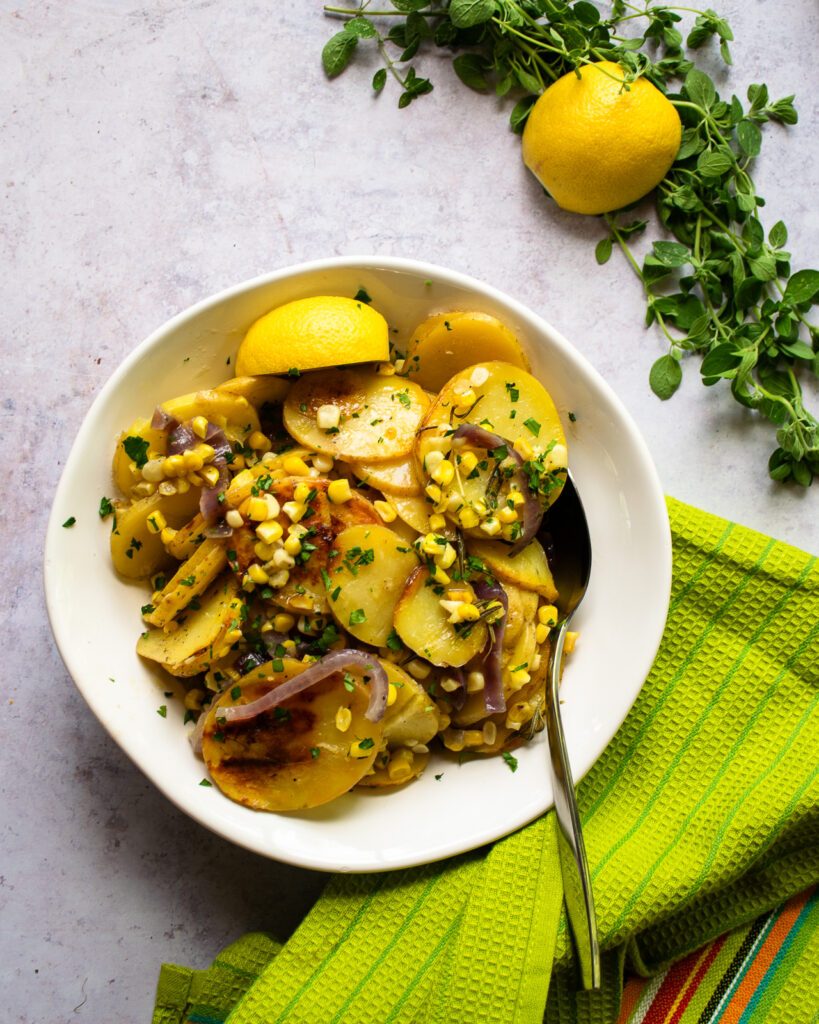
[151, 154]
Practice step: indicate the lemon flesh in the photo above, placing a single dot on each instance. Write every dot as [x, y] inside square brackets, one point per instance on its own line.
[324, 330]
[597, 146]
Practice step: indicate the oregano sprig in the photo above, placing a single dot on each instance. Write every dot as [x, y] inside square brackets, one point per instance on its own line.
[719, 287]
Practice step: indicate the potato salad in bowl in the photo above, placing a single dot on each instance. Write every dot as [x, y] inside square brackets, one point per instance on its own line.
[340, 549]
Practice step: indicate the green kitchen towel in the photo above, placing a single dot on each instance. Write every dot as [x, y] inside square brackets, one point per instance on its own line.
[702, 813]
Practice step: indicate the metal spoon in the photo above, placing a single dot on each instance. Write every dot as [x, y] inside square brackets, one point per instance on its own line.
[565, 534]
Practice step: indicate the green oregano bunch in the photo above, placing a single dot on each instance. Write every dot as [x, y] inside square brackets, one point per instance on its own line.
[723, 288]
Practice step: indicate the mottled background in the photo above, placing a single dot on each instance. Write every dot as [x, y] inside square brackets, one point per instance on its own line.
[153, 153]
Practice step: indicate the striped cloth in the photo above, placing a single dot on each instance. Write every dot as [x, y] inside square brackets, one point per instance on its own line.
[701, 818]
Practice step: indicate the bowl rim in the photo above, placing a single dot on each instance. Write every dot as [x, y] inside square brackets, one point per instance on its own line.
[419, 269]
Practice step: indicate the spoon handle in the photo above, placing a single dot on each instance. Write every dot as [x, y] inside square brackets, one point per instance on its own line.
[573, 864]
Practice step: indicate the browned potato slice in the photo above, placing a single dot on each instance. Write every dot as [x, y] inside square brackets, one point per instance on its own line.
[446, 343]
[366, 578]
[394, 768]
[257, 390]
[413, 718]
[423, 625]
[135, 551]
[522, 610]
[508, 402]
[528, 569]
[187, 538]
[191, 578]
[201, 639]
[294, 756]
[379, 415]
[396, 477]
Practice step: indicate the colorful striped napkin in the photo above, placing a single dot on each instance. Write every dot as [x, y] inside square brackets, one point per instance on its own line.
[701, 815]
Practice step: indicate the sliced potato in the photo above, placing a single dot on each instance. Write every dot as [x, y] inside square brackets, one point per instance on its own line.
[510, 403]
[423, 625]
[522, 609]
[191, 578]
[379, 415]
[124, 468]
[216, 406]
[293, 756]
[201, 638]
[135, 551]
[528, 569]
[413, 510]
[358, 511]
[187, 538]
[258, 391]
[446, 343]
[394, 477]
[367, 577]
[413, 718]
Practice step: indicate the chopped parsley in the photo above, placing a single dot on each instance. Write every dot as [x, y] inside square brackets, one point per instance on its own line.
[146, 609]
[236, 693]
[512, 762]
[136, 448]
[188, 581]
[358, 616]
[106, 508]
[69, 522]
[533, 426]
[393, 641]
[514, 393]
[362, 295]
[404, 398]
[162, 710]
[366, 744]
[205, 782]
[314, 752]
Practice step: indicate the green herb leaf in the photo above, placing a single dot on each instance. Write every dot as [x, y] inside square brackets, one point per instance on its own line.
[69, 522]
[136, 448]
[106, 508]
[379, 79]
[466, 13]
[803, 287]
[602, 251]
[358, 616]
[337, 52]
[511, 761]
[665, 377]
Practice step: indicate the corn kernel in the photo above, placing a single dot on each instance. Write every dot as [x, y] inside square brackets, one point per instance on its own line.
[282, 560]
[465, 401]
[519, 678]
[468, 612]
[392, 695]
[418, 669]
[438, 574]
[173, 465]
[211, 475]
[515, 497]
[536, 661]
[182, 486]
[257, 510]
[473, 737]
[557, 458]
[339, 491]
[433, 491]
[467, 462]
[242, 480]
[292, 545]
[273, 507]
[507, 515]
[430, 545]
[357, 750]
[454, 739]
[475, 682]
[444, 473]
[199, 424]
[490, 733]
[193, 461]
[432, 460]
[461, 593]
[283, 622]
[166, 488]
[153, 470]
[257, 574]
[238, 462]
[264, 552]
[258, 442]
[328, 417]
[569, 642]
[344, 718]
[522, 447]
[449, 685]
[541, 633]
[300, 493]
[195, 480]
[323, 463]
[279, 579]
[399, 365]
[491, 526]
[386, 369]
[289, 645]
[385, 510]
[266, 627]
[294, 510]
[468, 518]
[480, 375]
[437, 522]
[167, 535]
[294, 465]
[247, 584]
[234, 519]
[269, 532]
[446, 556]
[547, 614]
[206, 451]
[156, 522]
[400, 767]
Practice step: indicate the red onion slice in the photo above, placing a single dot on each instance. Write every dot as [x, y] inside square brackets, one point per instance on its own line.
[181, 439]
[162, 420]
[209, 504]
[493, 678]
[532, 509]
[215, 437]
[335, 661]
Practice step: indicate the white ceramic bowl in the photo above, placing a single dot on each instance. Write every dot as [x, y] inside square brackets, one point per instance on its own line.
[96, 619]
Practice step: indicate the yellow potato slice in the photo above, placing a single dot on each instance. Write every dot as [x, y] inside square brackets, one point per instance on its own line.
[446, 343]
[187, 538]
[191, 578]
[135, 551]
[528, 569]
[413, 718]
[366, 578]
[395, 477]
[379, 415]
[124, 468]
[423, 625]
[294, 756]
[201, 639]
[413, 510]
[522, 609]
[259, 391]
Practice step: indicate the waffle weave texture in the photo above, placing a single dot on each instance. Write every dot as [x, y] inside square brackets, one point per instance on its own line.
[701, 815]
